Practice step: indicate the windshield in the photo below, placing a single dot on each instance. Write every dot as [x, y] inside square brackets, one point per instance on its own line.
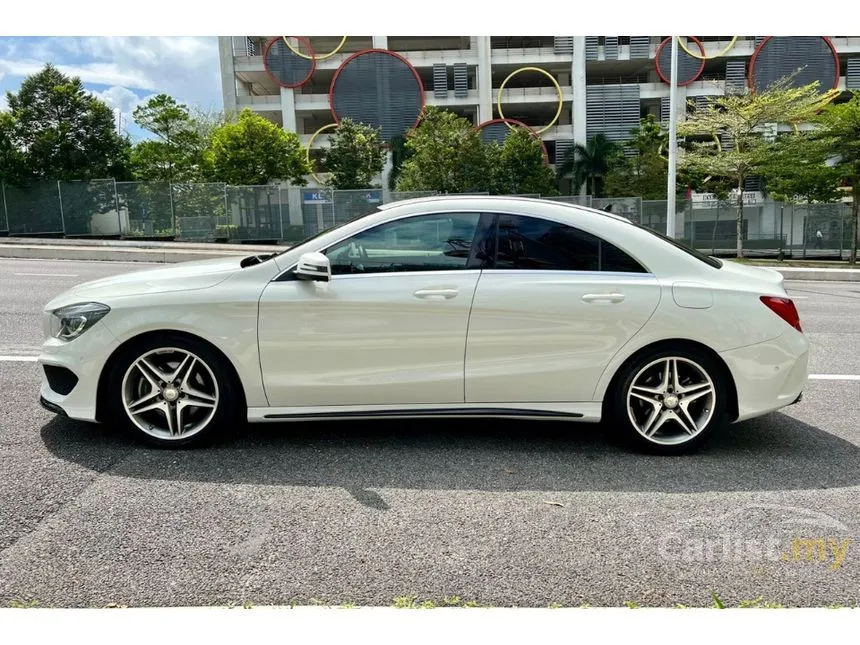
[707, 259]
[322, 232]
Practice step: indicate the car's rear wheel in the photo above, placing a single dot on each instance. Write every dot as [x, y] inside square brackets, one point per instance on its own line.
[172, 391]
[670, 401]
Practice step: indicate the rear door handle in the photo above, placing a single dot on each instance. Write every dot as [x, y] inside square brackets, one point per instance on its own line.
[603, 297]
[436, 294]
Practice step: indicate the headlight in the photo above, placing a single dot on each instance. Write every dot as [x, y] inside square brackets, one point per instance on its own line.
[70, 322]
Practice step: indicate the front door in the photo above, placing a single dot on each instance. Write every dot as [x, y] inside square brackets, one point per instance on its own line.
[388, 329]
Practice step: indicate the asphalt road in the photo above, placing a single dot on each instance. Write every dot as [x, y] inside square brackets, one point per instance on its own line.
[502, 514]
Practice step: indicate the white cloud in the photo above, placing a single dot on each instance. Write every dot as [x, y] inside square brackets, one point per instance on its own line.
[187, 68]
[4, 104]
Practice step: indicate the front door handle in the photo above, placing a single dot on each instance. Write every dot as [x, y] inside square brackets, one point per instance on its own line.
[603, 297]
[436, 294]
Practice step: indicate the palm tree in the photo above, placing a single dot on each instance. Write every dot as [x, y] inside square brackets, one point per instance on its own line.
[587, 163]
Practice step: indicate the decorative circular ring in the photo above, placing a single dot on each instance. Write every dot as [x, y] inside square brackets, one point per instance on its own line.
[324, 56]
[419, 87]
[311, 143]
[757, 52]
[694, 77]
[278, 81]
[557, 91]
[508, 123]
[719, 54]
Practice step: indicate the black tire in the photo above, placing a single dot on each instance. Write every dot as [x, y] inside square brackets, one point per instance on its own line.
[213, 370]
[618, 414]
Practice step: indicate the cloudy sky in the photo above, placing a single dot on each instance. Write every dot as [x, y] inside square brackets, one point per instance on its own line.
[122, 71]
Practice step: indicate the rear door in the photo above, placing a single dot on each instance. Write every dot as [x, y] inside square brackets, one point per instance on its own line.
[550, 311]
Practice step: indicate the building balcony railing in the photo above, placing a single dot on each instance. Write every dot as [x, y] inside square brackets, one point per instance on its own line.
[272, 102]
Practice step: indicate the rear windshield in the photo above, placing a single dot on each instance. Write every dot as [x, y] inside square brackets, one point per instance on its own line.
[707, 259]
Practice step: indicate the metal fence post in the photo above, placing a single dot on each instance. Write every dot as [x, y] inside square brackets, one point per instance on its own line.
[5, 208]
[116, 203]
[172, 209]
[62, 215]
[281, 210]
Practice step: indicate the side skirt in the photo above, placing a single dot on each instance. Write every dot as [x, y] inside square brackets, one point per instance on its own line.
[584, 412]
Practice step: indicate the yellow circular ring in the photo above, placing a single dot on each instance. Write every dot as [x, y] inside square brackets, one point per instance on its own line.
[311, 143]
[557, 90]
[700, 57]
[315, 57]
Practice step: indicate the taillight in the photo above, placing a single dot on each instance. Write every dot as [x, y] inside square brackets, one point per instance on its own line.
[785, 309]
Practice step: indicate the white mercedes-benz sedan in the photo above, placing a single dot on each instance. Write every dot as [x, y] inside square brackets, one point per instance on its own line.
[437, 307]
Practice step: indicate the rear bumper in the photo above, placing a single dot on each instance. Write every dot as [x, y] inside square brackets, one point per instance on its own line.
[769, 375]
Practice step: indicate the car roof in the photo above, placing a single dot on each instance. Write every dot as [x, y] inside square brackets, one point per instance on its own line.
[488, 200]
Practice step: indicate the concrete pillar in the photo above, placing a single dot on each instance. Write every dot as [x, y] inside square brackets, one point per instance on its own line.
[288, 109]
[380, 42]
[485, 79]
[577, 80]
[228, 73]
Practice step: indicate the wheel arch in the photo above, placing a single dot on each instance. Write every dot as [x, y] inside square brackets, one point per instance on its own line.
[674, 344]
[101, 392]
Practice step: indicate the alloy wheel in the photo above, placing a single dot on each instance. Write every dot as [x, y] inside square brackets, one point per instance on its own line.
[671, 400]
[170, 393]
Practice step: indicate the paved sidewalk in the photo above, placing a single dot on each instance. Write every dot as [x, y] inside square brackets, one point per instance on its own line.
[141, 251]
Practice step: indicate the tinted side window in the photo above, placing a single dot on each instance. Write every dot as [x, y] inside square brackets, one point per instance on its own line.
[439, 242]
[532, 243]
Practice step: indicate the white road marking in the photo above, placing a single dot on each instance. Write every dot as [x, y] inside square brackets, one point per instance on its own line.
[19, 359]
[834, 377]
[50, 275]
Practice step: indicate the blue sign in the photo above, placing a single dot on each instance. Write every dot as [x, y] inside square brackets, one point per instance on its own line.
[373, 196]
[316, 197]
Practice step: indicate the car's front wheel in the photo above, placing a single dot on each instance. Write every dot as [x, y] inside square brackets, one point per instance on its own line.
[670, 401]
[172, 391]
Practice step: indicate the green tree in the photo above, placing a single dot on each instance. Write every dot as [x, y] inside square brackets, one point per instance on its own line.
[518, 166]
[446, 155]
[399, 154]
[588, 164]
[176, 154]
[354, 157]
[838, 128]
[743, 117]
[11, 157]
[63, 131]
[797, 170]
[254, 151]
[646, 173]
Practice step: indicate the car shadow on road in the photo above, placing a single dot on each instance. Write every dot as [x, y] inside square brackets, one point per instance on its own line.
[776, 452]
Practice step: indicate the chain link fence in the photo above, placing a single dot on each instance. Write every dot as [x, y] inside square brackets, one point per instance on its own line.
[216, 212]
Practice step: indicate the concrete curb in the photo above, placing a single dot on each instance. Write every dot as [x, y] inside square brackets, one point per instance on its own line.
[171, 252]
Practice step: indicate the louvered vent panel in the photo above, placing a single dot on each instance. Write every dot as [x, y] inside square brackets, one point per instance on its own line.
[440, 80]
[640, 46]
[852, 74]
[591, 48]
[613, 110]
[461, 80]
[562, 148]
[562, 44]
[610, 48]
[736, 77]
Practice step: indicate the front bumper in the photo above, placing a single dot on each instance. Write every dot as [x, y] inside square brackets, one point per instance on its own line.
[84, 357]
[769, 375]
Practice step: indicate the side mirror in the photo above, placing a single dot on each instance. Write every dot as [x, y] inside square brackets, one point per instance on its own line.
[313, 266]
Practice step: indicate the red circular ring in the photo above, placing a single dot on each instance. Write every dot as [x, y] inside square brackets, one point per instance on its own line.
[272, 76]
[483, 125]
[668, 81]
[381, 51]
[754, 57]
